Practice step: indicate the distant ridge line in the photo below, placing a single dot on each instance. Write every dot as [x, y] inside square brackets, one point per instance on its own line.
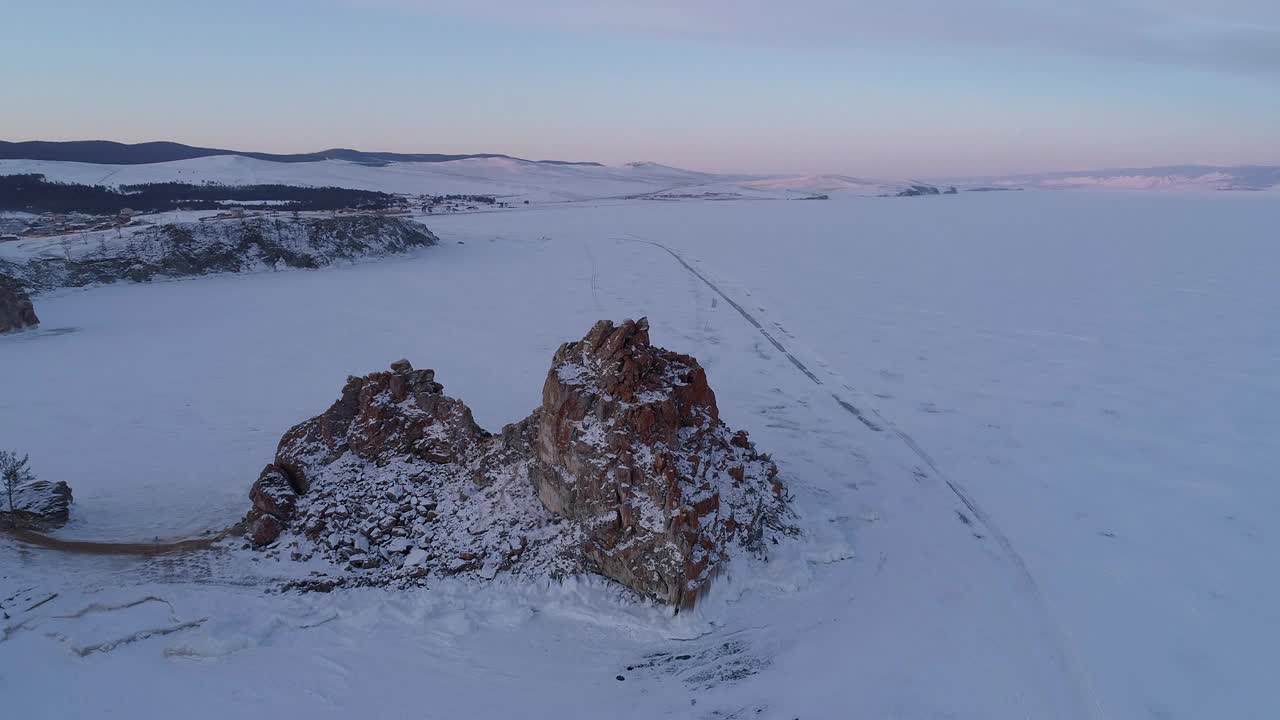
[106, 152]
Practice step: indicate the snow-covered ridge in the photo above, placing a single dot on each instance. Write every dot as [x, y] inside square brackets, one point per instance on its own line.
[501, 177]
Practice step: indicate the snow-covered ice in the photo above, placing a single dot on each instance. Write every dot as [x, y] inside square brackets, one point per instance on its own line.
[1031, 438]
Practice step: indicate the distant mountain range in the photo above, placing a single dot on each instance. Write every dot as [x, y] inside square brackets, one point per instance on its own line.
[1170, 177]
[105, 152]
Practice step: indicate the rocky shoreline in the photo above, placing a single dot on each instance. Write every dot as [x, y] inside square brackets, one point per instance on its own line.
[187, 249]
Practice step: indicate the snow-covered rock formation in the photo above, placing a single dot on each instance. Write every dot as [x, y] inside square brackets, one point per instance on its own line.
[229, 245]
[631, 448]
[39, 505]
[625, 470]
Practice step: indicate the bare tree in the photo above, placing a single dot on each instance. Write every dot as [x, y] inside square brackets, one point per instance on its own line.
[14, 473]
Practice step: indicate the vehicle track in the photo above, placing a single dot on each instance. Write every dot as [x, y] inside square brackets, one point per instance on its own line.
[844, 404]
[1068, 656]
[595, 276]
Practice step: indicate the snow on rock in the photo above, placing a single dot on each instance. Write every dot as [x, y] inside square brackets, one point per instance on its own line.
[182, 249]
[396, 480]
[631, 447]
[40, 504]
[625, 470]
[16, 310]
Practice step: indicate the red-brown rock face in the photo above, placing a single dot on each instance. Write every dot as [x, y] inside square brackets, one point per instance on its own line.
[625, 470]
[630, 444]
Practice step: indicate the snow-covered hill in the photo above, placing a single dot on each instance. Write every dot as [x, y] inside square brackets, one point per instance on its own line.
[105, 151]
[519, 180]
[504, 177]
[826, 184]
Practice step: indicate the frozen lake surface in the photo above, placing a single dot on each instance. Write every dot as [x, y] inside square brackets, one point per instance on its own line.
[1044, 424]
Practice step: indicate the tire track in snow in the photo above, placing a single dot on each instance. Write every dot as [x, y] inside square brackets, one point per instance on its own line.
[1067, 655]
[595, 276]
[846, 405]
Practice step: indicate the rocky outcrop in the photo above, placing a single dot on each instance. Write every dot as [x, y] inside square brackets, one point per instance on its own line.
[16, 310]
[221, 246]
[396, 480]
[37, 505]
[382, 417]
[625, 470]
[631, 446]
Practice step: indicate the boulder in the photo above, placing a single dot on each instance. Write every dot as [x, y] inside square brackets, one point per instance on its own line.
[38, 505]
[16, 310]
[273, 495]
[264, 529]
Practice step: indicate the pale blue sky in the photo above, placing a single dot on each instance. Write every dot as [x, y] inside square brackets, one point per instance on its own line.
[916, 87]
